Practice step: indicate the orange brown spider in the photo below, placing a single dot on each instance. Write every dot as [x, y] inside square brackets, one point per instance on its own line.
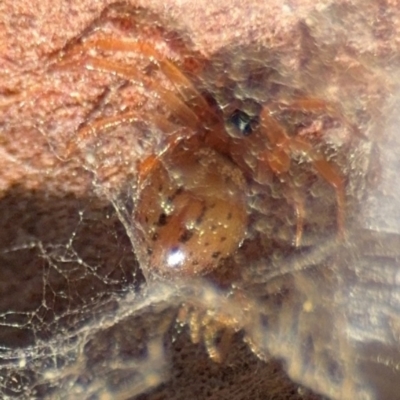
[190, 204]
[192, 211]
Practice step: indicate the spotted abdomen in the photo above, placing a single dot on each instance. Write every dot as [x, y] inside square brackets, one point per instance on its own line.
[191, 212]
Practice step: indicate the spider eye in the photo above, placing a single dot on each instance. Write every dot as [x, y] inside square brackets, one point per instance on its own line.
[242, 122]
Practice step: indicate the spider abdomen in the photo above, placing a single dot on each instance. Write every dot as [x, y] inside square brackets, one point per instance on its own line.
[191, 210]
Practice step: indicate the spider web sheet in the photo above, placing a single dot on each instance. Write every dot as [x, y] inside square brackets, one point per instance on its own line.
[77, 318]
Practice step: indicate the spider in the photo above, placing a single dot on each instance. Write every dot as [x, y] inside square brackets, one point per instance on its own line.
[195, 214]
[191, 212]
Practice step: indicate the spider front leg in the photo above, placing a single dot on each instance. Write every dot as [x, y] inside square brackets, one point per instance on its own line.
[186, 104]
[181, 82]
[278, 157]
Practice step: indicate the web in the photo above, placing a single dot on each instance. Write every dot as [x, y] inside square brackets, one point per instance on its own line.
[86, 324]
[78, 318]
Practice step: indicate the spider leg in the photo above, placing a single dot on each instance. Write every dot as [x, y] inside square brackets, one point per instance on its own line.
[183, 85]
[308, 104]
[184, 102]
[298, 204]
[316, 105]
[278, 159]
[275, 132]
[93, 128]
[195, 326]
[331, 175]
[178, 106]
[176, 76]
[211, 330]
[277, 156]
